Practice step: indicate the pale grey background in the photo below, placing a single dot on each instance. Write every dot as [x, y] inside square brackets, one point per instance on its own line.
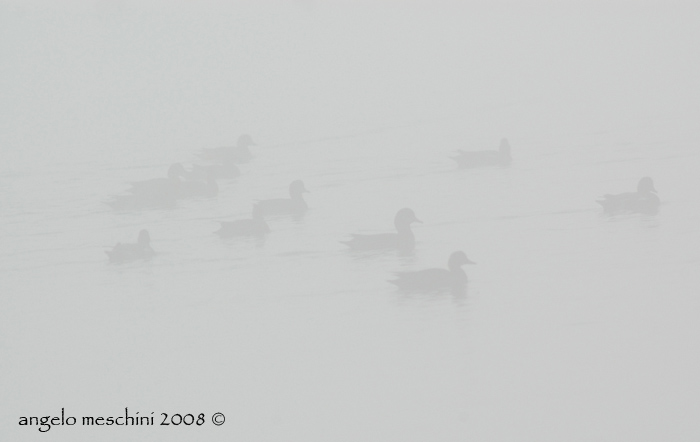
[576, 326]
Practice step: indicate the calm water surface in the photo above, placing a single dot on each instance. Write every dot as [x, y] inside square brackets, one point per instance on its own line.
[575, 326]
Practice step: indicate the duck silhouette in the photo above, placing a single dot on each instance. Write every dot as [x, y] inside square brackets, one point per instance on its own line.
[644, 200]
[238, 153]
[485, 158]
[452, 278]
[153, 193]
[403, 240]
[160, 186]
[294, 205]
[255, 226]
[122, 253]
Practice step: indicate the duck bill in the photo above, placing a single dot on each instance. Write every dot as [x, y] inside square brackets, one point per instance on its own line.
[469, 261]
[416, 220]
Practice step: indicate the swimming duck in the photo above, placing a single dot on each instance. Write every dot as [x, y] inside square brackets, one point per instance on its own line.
[403, 240]
[644, 200]
[160, 186]
[285, 206]
[238, 153]
[482, 158]
[130, 252]
[255, 226]
[436, 279]
[153, 193]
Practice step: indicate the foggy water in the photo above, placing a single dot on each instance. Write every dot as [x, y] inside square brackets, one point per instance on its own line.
[575, 326]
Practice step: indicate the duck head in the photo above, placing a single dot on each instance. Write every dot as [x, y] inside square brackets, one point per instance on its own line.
[457, 260]
[296, 188]
[176, 170]
[646, 186]
[404, 218]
